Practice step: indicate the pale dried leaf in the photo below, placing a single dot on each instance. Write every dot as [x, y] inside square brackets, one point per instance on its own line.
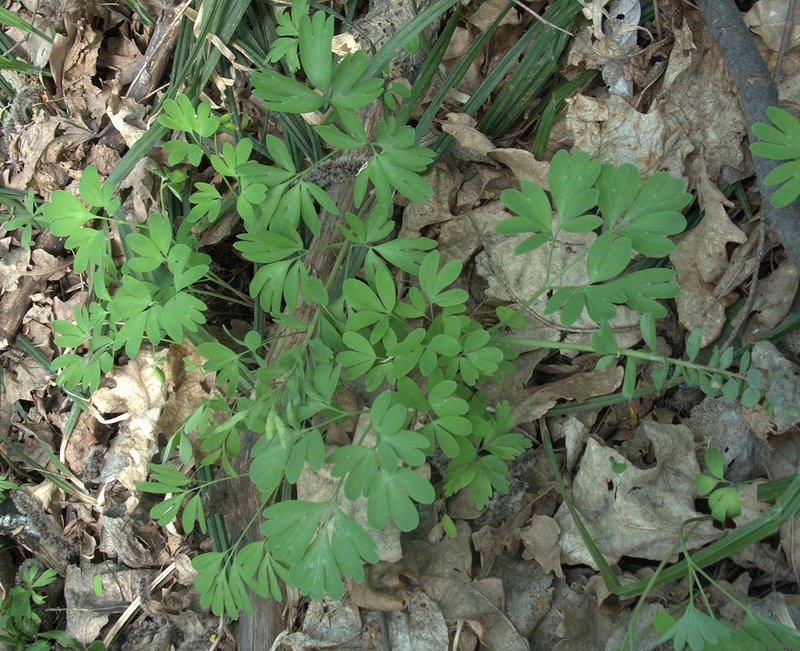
[13, 264]
[524, 165]
[540, 538]
[615, 132]
[87, 612]
[319, 486]
[471, 144]
[786, 415]
[580, 386]
[773, 300]
[435, 209]
[640, 511]
[488, 11]
[701, 259]
[420, 627]
[767, 18]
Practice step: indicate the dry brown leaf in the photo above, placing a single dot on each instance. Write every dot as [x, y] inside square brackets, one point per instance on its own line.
[488, 11]
[767, 18]
[615, 132]
[540, 538]
[638, 512]
[28, 145]
[444, 571]
[319, 486]
[524, 165]
[580, 386]
[773, 300]
[786, 413]
[88, 612]
[186, 388]
[73, 61]
[127, 116]
[13, 264]
[471, 144]
[701, 259]
[697, 113]
[435, 209]
[680, 58]
[138, 393]
[515, 279]
[419, 627]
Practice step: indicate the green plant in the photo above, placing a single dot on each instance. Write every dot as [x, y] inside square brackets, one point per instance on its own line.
[415, 357]
[780, 141]
[700, 630]
[20, 619]
[723, 499]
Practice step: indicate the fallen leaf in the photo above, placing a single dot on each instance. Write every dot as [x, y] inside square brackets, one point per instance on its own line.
[773, 300]
[443, 570]
[471, 144]
[88, 612]
[700, 259]
[524, 165]
[580, 386]
[139, 394]
[640, 511]
[540, 538]
[784, 393]
[13, 264]
[767, 18]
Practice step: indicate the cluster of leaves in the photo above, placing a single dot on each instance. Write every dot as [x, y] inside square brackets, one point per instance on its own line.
[415, 357]
[633, 217]
[780, 141]
[20, 621]
[698, 628]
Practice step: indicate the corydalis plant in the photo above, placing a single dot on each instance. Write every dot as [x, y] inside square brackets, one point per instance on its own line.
[632, 217]
[413, 354]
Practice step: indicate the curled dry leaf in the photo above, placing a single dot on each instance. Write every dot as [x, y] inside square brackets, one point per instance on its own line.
[13, 264]
[773, 300]
[135, 390]
[767, 18]
[579, 386]
[540, 538]
[784, 393]
[700, 259]
[697, 113]
[471, 144]
[638, 512]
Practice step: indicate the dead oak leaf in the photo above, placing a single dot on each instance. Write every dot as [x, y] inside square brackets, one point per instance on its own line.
[13, 264]
[701, 259]
[767, 18]
[540, 538]
[640, 511]
[580, 386]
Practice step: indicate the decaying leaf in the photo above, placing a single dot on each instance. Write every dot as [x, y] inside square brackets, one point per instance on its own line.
[784, 393]
[580, 386]
[767, 18]
[540, 538]
[13, 264]
[638, 512]
[138, 393]
[701, 259]
[443, 570]
[773, 300]
[696, 116]
[88, 612]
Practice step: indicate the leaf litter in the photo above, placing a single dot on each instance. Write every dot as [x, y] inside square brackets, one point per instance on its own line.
[670, 107]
